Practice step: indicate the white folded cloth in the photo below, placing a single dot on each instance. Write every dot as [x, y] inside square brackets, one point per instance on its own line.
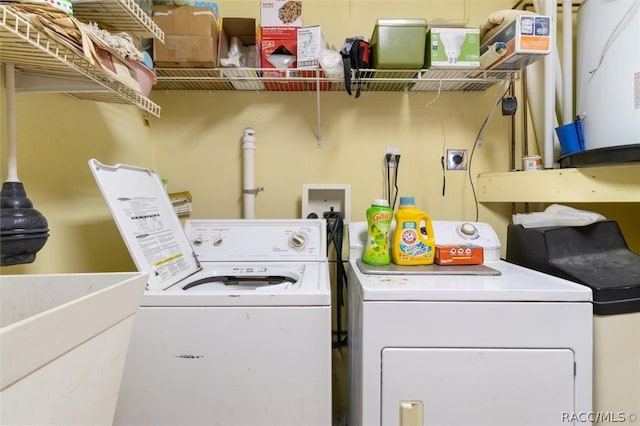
[557, 215]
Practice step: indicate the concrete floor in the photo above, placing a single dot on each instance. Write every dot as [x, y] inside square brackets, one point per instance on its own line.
[340, 385]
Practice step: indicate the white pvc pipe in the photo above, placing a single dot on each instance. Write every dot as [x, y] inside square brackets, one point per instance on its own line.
[249, 187]
[12, 157]
[551, 9]
[567, 61]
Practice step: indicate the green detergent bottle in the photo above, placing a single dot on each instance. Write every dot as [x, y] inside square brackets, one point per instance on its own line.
[379, 216]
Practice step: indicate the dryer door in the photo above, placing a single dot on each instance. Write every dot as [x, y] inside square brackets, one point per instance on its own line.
[476, 386]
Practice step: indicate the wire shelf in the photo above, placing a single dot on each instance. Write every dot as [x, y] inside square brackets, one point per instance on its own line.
[35, 54]
[372, 80]
[119, 15]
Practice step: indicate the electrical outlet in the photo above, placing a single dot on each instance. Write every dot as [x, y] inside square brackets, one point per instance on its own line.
[456, 159]
[391, 150]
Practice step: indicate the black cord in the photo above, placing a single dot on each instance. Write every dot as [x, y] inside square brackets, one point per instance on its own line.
[473, 150]
[395, 182]
[444, 175]
[388, 189]
[335, 229]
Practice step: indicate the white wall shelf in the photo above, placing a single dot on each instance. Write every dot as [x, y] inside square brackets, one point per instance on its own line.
[260, 79]
[618, 183]
[295, 80]
[62, 68]
[119, 15]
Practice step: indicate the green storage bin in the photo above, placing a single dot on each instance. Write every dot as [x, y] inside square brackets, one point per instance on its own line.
[398, 43]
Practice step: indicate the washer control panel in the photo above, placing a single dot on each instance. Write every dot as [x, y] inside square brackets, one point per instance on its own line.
[295, 240]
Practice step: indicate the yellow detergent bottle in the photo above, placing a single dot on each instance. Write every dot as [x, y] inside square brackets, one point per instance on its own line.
[413, 240]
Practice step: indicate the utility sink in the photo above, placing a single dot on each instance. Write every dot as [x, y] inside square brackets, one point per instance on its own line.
[63, 345]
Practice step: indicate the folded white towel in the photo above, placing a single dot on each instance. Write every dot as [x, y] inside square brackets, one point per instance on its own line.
[557, 215]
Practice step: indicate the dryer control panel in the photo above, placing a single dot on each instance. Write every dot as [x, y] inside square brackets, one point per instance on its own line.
[296, 240]
[476, 233]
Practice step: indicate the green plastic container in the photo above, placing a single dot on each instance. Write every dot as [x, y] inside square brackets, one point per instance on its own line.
[398, 43]
[379, 217]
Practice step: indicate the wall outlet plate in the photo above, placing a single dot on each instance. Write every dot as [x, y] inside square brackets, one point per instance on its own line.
[456, 159]
[320, 198]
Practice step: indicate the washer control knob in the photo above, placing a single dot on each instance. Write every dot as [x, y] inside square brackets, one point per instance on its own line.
[298, 240]
[468, 230]
[217, 241]
[197, 241]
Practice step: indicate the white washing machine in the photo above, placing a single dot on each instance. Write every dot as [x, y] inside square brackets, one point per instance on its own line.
[235, 325]
[492, 344]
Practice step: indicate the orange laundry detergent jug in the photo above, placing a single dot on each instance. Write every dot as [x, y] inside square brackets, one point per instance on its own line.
[413, 240]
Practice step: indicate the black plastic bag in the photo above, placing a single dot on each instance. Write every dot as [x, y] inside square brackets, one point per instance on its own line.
[356, 55]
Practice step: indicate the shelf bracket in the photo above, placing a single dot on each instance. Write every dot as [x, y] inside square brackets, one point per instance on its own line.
[318, 120]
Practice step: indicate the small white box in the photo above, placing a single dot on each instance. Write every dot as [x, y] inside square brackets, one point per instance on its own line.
[320, 198]
[526, 39]
[280, 13]
[455, 48]
[311, 41]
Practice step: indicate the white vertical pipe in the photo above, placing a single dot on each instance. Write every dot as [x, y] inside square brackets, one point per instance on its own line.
[249, 187]
[551, 9]
[567, 61]
[12, 157]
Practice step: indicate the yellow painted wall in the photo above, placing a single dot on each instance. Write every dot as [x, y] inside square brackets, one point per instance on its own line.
[56, 136]
[196, 145]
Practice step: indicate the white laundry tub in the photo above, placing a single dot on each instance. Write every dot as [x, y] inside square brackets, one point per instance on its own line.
[63, 345]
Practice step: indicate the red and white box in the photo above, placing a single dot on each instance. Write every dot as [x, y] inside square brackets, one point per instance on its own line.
[463, 254]
[280, 41]
[278, 50]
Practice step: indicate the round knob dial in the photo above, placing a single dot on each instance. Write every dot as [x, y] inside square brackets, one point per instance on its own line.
[468, 230]
[298, 240]
[197, 241]
[217, 241]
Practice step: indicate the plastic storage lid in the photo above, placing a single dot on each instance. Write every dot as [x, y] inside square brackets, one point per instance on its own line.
[595, 255]
[407, 201]
[147, 222]
[401, 22]
[380, 202]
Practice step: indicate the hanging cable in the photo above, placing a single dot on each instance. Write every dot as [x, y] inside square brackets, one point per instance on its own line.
[479, 140]
[388, 157]
[605, 48]
[444, 176]
[442, 159]
[335, 230]
[395, 181]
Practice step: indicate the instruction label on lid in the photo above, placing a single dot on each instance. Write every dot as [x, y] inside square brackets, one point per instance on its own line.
[147, 222]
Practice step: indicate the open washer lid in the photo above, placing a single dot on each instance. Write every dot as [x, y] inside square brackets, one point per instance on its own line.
[147, 222]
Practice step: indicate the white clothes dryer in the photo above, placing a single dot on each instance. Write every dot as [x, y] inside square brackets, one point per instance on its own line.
[234, 328]
[492, 344]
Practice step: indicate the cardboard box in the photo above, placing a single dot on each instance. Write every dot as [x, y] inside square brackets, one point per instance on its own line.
[311, 42]
[279, 46]
[527, 39]
[245, 30]
[191, 37]
[465, 254]
[185, 20]
[278, 41]
[280, 13]
[453, 48]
